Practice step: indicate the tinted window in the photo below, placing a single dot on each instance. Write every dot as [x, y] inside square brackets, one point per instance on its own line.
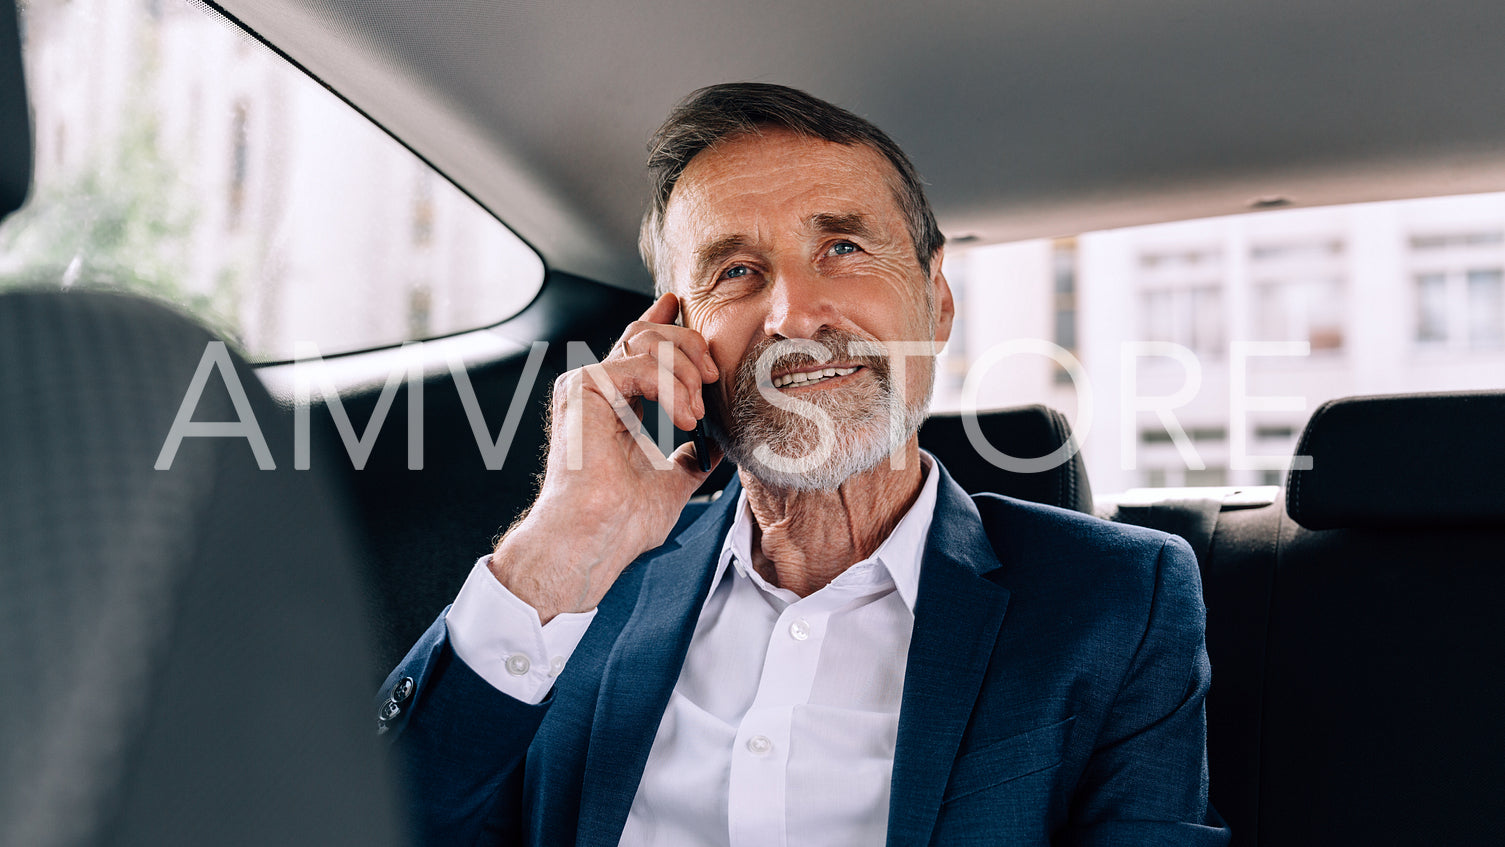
[176, 156]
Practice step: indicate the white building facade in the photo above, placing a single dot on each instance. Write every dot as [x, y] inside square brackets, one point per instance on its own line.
[1208, 343]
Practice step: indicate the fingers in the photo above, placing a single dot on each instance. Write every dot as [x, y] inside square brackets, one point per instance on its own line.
[656, 326]
[663, 311]
[680, 378]
[664, 375]
[684, 378]
[658, 361]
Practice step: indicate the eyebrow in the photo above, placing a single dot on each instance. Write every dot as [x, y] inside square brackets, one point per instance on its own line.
[853, 223]
[709, 255]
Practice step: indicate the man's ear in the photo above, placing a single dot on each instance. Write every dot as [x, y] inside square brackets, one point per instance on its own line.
[945, 306]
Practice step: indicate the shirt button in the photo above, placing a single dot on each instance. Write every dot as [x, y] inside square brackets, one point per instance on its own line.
[518, 664]
[799, 630]
[556, 665]
[402, 690]
[758, 745]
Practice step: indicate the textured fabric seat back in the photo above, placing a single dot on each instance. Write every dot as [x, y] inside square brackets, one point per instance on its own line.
[1019, 452]
[1383, 692]
[1383, 701]
[184, 648]
[1355, 634]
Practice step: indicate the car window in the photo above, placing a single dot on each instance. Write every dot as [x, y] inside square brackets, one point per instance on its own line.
[177, 156]
[1207, 344]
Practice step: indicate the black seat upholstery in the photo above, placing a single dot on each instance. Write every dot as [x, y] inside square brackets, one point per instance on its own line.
[1024, 433]
[1383, 699]
[15, 117]
[184, 648]
[1355, 637]
[1420, 461]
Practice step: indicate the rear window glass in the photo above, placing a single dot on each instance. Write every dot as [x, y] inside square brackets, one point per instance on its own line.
[1205, 345]
[178, 157]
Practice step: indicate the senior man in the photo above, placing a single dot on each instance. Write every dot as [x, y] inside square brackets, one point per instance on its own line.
[843, 649]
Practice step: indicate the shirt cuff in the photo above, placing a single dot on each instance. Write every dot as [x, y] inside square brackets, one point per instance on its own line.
[500, 638]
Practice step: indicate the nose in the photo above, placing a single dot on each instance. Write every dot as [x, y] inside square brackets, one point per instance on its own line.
[800, 304]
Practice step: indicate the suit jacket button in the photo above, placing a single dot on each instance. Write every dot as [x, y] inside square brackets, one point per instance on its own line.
[389, 710]
[402, 690]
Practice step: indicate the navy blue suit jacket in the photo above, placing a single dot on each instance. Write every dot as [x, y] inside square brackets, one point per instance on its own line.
[1053, 694]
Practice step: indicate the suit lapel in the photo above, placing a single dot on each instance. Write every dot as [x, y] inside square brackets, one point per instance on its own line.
[642, 669]
[957, 617]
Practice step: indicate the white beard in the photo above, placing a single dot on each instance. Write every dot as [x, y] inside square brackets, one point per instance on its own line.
[821, 439]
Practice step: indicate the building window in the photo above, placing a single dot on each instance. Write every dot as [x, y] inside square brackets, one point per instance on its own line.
[423, 209]
[420, 311]
[1208, 434]
[239, 164]
[1486, 308]
[1451, 241]
[1304, 253]
[1063, 266]
[1189, 316]
[1431, 308]
[1298, 293]
[1181, 299]
[1459, 284]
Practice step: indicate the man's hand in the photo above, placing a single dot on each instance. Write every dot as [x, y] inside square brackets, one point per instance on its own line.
[603, 501]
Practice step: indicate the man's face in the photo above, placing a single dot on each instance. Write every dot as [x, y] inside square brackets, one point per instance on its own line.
[776, 237]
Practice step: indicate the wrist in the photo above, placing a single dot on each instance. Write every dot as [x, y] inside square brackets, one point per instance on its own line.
[556, 569]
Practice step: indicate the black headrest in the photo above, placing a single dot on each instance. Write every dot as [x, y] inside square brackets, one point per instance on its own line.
[1028, 434]
[1412, 460]
[15, 118]
[184, 636]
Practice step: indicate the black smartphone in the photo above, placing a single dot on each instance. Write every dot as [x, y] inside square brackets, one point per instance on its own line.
[701, 436]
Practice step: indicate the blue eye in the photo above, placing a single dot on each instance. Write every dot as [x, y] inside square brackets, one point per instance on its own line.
[843, 248]
[735, 272]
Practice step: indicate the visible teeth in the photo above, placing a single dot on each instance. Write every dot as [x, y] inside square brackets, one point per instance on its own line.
[809, 377]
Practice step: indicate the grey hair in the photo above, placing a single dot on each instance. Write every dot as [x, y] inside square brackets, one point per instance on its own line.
[718, 113]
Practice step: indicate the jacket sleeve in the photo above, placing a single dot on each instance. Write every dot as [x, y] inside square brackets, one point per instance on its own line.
[461, 745]
[1146, 782]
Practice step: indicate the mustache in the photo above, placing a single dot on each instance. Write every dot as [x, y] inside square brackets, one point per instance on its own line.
[740, 399]
[836, 343]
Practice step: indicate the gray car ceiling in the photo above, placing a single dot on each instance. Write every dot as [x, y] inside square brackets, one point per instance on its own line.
[1029, 118]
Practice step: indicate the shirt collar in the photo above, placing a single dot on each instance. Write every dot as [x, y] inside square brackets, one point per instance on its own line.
[899, 555]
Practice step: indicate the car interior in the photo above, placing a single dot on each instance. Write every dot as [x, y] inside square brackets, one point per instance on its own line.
[177, 635]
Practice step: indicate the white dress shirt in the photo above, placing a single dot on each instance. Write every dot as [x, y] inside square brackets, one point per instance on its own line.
[783, 722]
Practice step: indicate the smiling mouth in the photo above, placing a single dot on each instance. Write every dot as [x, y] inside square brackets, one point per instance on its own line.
[796, 380]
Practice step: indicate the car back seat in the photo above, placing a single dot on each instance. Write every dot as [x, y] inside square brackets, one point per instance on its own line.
[1024, 433]
[1355, 632]
[184, 637]
[1382, 719]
